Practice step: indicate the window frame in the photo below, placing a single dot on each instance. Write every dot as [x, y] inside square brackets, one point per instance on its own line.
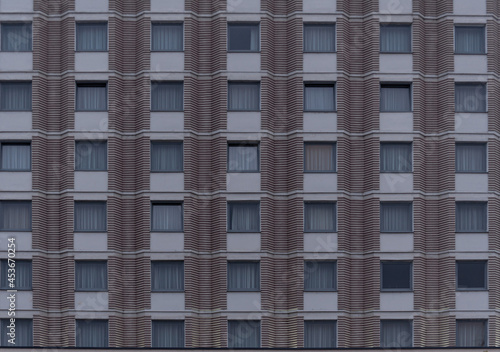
[243, 144]
[410, 321]
[165, 83]
[172, 23]
[464, 144]
[2, 201]
[259, 272]
[335, 276]
[15, 142]
[94, 84]
[157, 262]
[410, 144]
[229, 321]
[242, 24]
[391, 262]
[95, 202]
[30, 83]
[157, 321]
[408, 85]
[400, 25]
[335, 218]
[78, 23]
[320, 24]
[99, 261]
[173, 202]
[159, 142]
[30, 23]
[475, 289]
[485, 325]
[93, 142]
[322, 321]
[477, 84]
[333, 144]
[4, 264]
[238, 82]
[412, 215]
[485, 206]
[86, 321]
[243, 202]
[4, 338]
[320, 85]
[470, 25]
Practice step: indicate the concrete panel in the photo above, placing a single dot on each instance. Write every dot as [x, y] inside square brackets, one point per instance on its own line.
[243, 5]
[167, 182]
[167, 6]
[243, 121]
[16, 6]
[91, 62]
[24, 300]
[396, 121]
[396, 242]
[320, 121]
[243, 62]
[16, 61]
[471, 242]
[472, 300]
[396, 63]
[91, 121]
[320, 62]
[468, 7]
[91, 5]
[319, 6]
[166, 61]
[167, 121]
[471, 64]
[167, 301]
[243, 301]
[321, 301]
[91, 181]
[243, 242]
[15, 181]
[396, 301]
[243, 182]
[16, 121]
[167, 242]
[395, 7]
[471, 183]
[23, 241]
[396, 182]
[320, 242]
[91, 241]
[95, 301]
[466, 122]
[320, 182]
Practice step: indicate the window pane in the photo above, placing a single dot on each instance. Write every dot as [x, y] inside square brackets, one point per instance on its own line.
[167, 217]
[471, 333]
[244, 217]
[395, 38]
[91, 333]
[243, 37]
[90, 216]
[319, 157]
[15, 215]
[396, 217]
[319, 38]
[471, 274]
[320, 334]
[243, 276]
[396, 275]
[471, 217]
[16, 157]
[243, 158]
[168, 334]
[319, 98]
[91, 37]
[91, 276]
[166, 156]
[166, 37]
[167, 276]
[320, 276]
[395, 157]
[469, 40]
[15, 96]
[16, 36]
[243, 333]
[244, 96]
[167, 96]
[22, 277]
[470, 97]
[319, 217]
[396, 333]
[91, 155]
[24, 332]
[91, 97]
[395, 98]
[470, 157]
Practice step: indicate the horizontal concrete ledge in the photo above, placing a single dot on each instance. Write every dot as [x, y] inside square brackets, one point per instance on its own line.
[70, 349]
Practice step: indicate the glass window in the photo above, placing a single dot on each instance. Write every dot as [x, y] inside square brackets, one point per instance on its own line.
[22, 278]
[243, 276]
[15, 215]
[15, 96]
[319, 38]
[167, 276]
[471, 274]
[320, 334]
[91, 333]
[167, 217]
[320, 157]
[166, 37]
[244, 96]
[90, 216]
[470, 97]
[243, 37]
[243, 217]
[470, 157]
[243, 333]
[15, 156]
[16, 36]
[91, 97]
[168, 334]
[395, 38]
[395, 157]
[471, 332]
[243, 158]
[24, 332]
[167, 96]
[396, 217]
[469, 40]
[320, 217]
[319, 97]
[320, 275]
[91, 155]
[92, 36]
[471, 217]
[396, 276]
[395, 97]
[91, 275]
[396, 333]
[166, 156]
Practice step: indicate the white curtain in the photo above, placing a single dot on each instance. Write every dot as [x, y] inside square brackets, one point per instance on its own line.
[16, 157]
[166, 37]
[244, 96]
[91, 37]
[395, 157]
[470, 157]
[243, 333]
[23, 274]
[244, 217]
[395, 38]
[319, 38]
[16, 36]
[91, 276]
[90, 216]
[91, 333]
[470, 97]
[91, 97]
[469, 40]
[320, 334]
[167, 217]
[395, 217]
[168, 334]
[396, 333]
[319, 276]
[471, 217]
[91, 155]
[24, 333]
[243, 37]
[319, 98]
[167, 276]
[15, 215]
[471, 333]
[319, 217]
[243, 158]
[471, 274]
[243, 276]
[166, 96]
[395, 98]
[15, 96]
[166, 156]
[396, 275]
[319, 157]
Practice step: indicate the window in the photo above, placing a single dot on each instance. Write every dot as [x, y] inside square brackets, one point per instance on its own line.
[22, 278]
[167, 276]
[470, 97]
[319, 217]
[395, 157]
[470, 157]
[92, 36]
[243, 96]
[320, 275]
[319, 38]
[24, 332]
[91, 97]
[91, 333]
[471, 332]
[168, 334]
[243, 37]
[166, 37]
[167, 96]
[396, 217]
[91, 275]
[15, 157]
[396, 333]
[395, 97]
[90, 216]
[15, 215]
[15, 96]
[471, 274]
[243, 333]
[243, 276]
[243, 158]
[320, 334]
[16, 36]
[471, 217]
[396, 276]
[319, 97]
[167, 217]
[469, 40]
[166, 156]
[243, 217]
[320, 157]
[91, 155]
[395, 38]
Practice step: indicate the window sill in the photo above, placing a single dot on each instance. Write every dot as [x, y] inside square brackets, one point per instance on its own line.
[324, 111]
[473, 54]
[91, 110]
[91, 231]
[28, 110]
[91, 170]
[17, 51]
[234, 231]
[243, 171]
[17, 289]
[243, 51]
[320, 231]
[7, 170]
[167, 172]
[166, 110]
[485, 231]
[228, 110]
[392, 232]
[396, 172]
[167, 51]
[244, 290]
[91, 51]
[167, 291]
[396, 52]
[471, 112]
[91, 290]
[394, 111]
[472, 172]
[169, 231]
[320, 52]
[325, 290]
[402, 290]
[17, 230]
[321, 172]
[472, 289]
